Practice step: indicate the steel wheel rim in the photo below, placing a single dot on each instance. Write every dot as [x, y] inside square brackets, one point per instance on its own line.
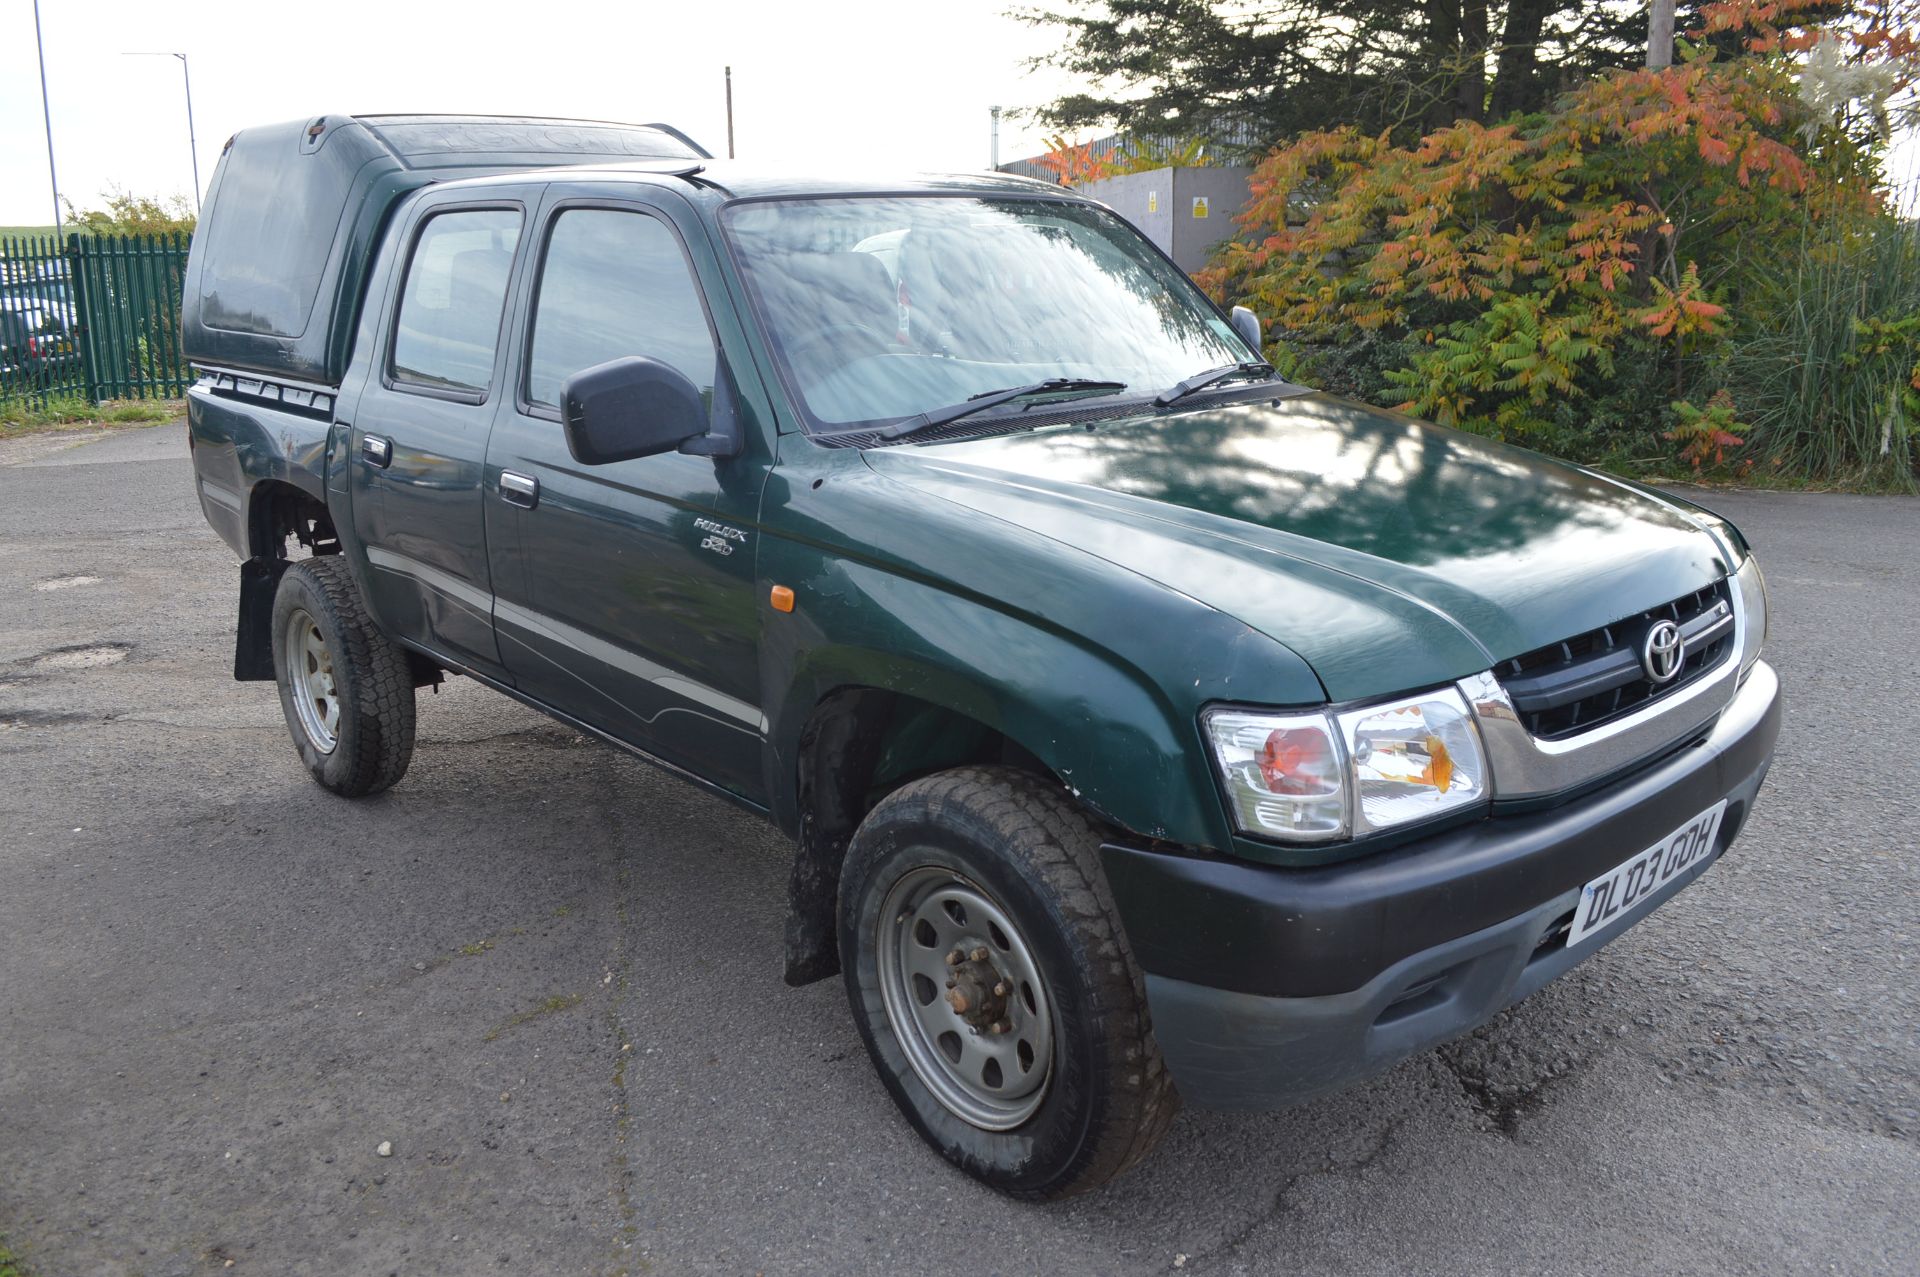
[316, 695]
[995, 1081]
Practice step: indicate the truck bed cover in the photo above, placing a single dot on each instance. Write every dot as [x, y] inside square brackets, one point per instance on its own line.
[295, 213]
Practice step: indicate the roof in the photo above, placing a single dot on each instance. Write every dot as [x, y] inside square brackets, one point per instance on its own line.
[731, 179]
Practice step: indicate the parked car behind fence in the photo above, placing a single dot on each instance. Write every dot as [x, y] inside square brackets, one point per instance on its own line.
[96, 317]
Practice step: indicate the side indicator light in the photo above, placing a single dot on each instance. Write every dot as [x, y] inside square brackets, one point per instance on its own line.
[782, 599]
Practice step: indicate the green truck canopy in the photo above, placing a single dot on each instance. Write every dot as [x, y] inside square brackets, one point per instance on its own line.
[296, 210]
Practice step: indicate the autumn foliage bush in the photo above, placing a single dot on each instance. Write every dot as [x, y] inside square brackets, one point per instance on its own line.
[1594, 279]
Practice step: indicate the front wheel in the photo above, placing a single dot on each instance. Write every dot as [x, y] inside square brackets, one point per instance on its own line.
[345, 686]
[990, 980]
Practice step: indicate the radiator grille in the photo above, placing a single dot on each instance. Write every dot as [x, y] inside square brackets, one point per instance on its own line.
[1582, 682]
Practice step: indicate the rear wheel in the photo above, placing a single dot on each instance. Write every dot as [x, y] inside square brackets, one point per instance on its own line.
[345, 687]
[989, 977]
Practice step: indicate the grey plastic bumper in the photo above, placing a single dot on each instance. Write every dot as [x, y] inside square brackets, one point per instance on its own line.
[1239, 1050]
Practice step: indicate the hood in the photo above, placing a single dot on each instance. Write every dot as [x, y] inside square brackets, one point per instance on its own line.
[1389, 553]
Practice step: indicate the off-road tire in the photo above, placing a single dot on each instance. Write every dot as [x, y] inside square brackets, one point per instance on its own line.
[374, 739]
[1035, 853]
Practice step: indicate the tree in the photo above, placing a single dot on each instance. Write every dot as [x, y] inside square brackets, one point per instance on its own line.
[129, 214]
[1571, 278]
[1289, 66]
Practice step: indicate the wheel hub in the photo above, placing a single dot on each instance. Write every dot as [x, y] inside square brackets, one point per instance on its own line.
[977, 991]
[310, 672]
[965, 997]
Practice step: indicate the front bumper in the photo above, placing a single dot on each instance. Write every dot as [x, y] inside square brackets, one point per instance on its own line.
[1269, 986]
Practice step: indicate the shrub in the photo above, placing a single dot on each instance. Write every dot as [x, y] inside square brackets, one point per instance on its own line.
[1830, 380]
[1585, 279]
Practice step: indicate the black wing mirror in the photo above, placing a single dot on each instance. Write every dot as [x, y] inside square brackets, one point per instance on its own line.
[633, 407]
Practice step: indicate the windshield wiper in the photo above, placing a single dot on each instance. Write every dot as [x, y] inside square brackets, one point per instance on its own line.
[991, 398]
[1200, 381]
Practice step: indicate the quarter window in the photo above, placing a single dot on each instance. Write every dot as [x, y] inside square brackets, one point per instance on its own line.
[615, 284]
[449, 325]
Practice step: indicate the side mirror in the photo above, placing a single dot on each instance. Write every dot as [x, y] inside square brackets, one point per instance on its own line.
[1247, 324]
[629, 407]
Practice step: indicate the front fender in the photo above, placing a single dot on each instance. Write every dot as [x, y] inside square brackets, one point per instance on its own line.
[1095, 670]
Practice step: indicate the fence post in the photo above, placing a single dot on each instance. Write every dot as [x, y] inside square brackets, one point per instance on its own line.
[82, 313]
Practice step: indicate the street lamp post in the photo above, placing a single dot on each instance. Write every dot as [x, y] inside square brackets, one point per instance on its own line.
[193, 145]
[46, 113]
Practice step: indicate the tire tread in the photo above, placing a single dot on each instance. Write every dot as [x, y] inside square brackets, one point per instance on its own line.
[381, 747]
[1059, 842]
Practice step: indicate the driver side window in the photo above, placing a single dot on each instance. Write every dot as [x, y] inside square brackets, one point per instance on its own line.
[615, 283]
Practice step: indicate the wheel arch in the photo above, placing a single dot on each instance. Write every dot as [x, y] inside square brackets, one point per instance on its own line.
[277, 510]
[858, 743]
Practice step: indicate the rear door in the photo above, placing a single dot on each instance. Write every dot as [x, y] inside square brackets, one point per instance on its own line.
[420, 426]
[626, 592]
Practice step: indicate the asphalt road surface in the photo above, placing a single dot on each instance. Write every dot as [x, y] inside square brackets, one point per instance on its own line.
[549, 978]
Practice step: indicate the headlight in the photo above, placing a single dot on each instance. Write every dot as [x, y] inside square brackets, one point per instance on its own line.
[1313, 778]
[1413, 759]
[1750, 592]
[1283, 774]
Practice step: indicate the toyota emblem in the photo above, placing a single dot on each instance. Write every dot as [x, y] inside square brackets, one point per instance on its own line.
[1663, 653]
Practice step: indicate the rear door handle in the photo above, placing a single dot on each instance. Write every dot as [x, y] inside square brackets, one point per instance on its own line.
[377, 451]
[522, 490]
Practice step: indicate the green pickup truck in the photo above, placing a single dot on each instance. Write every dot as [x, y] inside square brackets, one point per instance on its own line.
[1148, 728]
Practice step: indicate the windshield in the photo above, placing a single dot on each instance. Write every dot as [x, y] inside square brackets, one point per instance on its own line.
[880, 309]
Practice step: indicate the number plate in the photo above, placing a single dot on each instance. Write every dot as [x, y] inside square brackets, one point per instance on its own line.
[1621, 891]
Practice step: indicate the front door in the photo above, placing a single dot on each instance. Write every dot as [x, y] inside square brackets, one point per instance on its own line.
[420, 432]
[625, 592]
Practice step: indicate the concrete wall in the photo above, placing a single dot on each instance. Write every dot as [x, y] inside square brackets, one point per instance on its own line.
[1186, 211]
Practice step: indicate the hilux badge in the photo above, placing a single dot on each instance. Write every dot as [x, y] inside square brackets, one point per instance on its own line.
[1662, 654]
[720, 538]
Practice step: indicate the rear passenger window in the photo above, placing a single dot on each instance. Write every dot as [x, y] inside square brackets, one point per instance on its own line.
[615, 284]
[449, 324]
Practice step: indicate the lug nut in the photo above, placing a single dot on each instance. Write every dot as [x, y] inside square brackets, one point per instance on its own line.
[1000, 990]
[980, 954]
[1003, 1027]
[954, 959]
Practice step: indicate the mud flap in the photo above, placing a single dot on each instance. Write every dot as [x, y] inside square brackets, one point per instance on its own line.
[253, 643]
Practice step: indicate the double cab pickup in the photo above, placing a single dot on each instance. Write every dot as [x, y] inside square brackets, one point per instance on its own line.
[1147, 728]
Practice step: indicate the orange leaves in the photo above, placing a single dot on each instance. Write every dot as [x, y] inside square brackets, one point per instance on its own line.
[1682, 312]
[1705, 434]
[1761, 20]
[1349, 230]
[1509, 270]
[1602, 243]
[1072, 164]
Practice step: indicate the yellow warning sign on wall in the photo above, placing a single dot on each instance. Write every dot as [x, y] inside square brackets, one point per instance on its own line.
[1199, 206]
[1153, 201]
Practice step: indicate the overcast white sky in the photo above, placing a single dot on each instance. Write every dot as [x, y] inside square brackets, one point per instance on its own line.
[900, 85]
[891, 85]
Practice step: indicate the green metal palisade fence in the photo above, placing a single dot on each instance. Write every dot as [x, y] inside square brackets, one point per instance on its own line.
[96, 318]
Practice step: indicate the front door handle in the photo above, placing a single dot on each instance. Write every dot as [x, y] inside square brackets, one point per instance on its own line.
[377, 451]
[522, 490]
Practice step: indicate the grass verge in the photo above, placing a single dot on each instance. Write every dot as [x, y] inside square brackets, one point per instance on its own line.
[19, 418]
[9, 1265]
